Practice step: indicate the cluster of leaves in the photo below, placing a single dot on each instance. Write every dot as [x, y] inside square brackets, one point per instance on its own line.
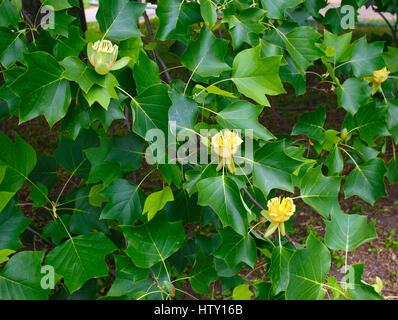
[199, 225]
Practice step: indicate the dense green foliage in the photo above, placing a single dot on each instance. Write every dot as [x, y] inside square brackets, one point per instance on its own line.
[199, 223]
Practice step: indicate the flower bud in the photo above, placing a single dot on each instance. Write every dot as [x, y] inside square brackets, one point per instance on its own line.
[344, 133]
[103, 55]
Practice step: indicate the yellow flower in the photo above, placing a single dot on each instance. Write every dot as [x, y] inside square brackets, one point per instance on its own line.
[379, 76]
[102, 55]
[225, 144]
[279, 211]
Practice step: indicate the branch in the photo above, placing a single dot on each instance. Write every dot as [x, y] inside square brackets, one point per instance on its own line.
[155, 50]
[394, 36]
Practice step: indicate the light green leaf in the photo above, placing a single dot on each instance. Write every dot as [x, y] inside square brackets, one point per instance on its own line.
[352, 94]
[244, 115]
[348, 231]
[366, 57]
[146, 73]
[279, 270]
[156, 202]
[256, 76]
[276, 9]
[357, 288]
[242, 292]
[56, 4]
[208, 12]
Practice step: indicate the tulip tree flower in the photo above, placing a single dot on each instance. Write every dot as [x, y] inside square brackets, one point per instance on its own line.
[379, 76]
[279, 211]
[102, 55]
[225, 144]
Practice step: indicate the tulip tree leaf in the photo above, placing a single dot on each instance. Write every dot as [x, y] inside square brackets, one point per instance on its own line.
[366, 181]
[273, 168]
[311, 124]
[366, 57]
[244, 115]
[357, 288]
[156, 202]
[334, 162]
[42, 89]
[56, 4]
[184, 111]
[81, 258]
[12, 224]
[12, 47]
[203, 273]
[320, 192]
[151, 109]
[307, 271]
[20, 279]
[154, 241]
[208, 12]
[392, 170]
[348, 231]
[125, 202]
[118, 18]
[236, 248]
[17, 160]
[256, 76]
[300, 43]
[352, 94]
[222, 195]
[276, 9]
[205, 56]
[168, 12]
[9, 15]
[146, 73]
[279, 270]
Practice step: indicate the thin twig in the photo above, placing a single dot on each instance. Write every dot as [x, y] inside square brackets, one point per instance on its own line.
[394, 36]
[155, 50]
[39, 235]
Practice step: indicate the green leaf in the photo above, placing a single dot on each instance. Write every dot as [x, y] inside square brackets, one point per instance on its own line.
[154, 241]
[125, 202]
[391, 59]
[55, 230]
[371, 122]
[311, 124]
[300, 43]
[279, 270]
[366, 57]
[81, 258]
[61, 27]
[242, 292]
[103, 94]
[392, 170]
[168, 12]
[357, 288]
[151, 109]
[70, 155]
[9, 15]
[119, 18]
[12, 224]
[20, 279]
[276, 9]
[4, 253]
[235, 249]
[392, 119]
[205, 56]
[156, 202]
[273, 168]
[366, 181]
[85, 77]
[17, 161]
[146, 73]
[101, 169]
[130, 48]
[256, 76]
[244, 115]
[184, 111]
[70, 46]
[352, 94]
[45, 171]
[56, 4]
[341, 44]
[320, 192]
[208, 12]
[126, 151]
[334, 162]
[222, 195]
[241, 26]
[307, 271]
[203, 273]
[106, 117]
[348, 231]
[42, 89]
